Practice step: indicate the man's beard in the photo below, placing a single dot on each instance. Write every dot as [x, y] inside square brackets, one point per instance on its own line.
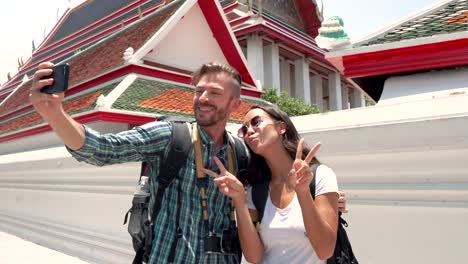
[213, 119]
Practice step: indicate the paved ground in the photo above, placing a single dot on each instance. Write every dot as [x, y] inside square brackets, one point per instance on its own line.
[14, 250]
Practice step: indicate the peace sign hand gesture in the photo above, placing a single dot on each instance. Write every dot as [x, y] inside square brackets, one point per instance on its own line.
[227, 183]
[300, 176]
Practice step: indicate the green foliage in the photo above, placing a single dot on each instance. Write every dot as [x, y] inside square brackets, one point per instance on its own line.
[291, 106]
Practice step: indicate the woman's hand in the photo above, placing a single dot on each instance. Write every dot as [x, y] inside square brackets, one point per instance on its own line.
[227, 183]
[300, 176]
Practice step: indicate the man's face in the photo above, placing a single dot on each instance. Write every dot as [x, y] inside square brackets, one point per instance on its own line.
[212, 101]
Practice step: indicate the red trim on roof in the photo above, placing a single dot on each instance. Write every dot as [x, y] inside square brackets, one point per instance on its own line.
[230, 7]
[16, 112]
[237, 21]
[407, 59]
[286, 40]
[121, 72]
[84, 119]
[223, 37]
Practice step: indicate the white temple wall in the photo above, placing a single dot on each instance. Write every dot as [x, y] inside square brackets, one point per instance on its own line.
[405, 174]
[422, 86]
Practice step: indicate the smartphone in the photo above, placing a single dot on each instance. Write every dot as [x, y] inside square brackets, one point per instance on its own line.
[60, 75]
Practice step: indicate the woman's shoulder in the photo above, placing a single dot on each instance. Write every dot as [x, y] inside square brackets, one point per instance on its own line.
[323, 169]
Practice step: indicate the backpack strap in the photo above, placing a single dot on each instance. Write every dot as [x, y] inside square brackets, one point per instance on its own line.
[178, 152]
[259, 197]
[260, 193]
[313, 183]
[241, 156]
[181, 143]
[169, 167]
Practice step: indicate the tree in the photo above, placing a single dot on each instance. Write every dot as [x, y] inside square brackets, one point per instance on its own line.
[291, 106]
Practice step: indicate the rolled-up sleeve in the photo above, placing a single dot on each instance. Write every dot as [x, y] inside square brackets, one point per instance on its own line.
[141, 143]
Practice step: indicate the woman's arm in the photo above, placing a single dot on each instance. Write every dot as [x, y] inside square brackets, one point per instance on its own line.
[251, 244]
[320, 218]
[228, 184]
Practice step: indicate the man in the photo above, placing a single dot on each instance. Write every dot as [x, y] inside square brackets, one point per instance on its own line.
[217, 95]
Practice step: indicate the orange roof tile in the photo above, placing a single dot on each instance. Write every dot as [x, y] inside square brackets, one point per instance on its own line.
[176, 100]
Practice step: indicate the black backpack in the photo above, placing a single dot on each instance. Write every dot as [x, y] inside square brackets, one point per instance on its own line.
[140, 225]
[343, 253]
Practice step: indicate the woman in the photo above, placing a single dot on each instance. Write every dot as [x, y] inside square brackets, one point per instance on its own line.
[295, 228]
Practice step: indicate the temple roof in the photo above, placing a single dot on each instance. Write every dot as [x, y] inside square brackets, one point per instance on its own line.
[121, 61]
[433, 38]
[442, 18]
[100, 58]
[142, 95]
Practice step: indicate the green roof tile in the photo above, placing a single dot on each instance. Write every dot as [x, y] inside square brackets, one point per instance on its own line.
[451, 18]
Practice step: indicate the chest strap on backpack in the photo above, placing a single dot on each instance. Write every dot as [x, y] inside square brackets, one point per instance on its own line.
[216, 244]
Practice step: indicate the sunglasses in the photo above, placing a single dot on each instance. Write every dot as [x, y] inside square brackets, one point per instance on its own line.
[254, 122]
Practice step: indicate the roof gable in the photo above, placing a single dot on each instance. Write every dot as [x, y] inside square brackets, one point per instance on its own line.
[173, 51]
[221, 41]
[302, 15]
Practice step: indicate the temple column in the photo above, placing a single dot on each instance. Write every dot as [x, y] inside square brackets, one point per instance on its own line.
[302, 79]
[334, 91]
[285, 78]
[271, 66]
[344, 97]
[316, 88]
[255, 58]
[357, 99]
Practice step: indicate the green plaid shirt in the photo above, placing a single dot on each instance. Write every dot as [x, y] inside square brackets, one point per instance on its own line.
[150, 143]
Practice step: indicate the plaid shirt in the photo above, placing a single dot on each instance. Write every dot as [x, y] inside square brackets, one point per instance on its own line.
[150, 143]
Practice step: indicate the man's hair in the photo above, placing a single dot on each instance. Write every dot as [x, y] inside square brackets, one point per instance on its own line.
[215, 67]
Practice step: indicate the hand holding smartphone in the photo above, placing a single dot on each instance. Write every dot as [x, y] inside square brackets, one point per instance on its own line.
[60, 75]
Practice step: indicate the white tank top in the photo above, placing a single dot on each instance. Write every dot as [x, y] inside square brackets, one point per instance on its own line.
[282, 230]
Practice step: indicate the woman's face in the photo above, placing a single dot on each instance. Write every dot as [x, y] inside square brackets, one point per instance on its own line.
[260, 131]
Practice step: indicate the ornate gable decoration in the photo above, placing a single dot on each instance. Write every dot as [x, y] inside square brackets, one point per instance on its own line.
[283, 10]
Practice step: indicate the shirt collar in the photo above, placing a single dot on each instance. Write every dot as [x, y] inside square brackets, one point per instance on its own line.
[206, 139]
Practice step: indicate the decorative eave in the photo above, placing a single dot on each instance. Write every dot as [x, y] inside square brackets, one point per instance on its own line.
[370, 66]
[132, 99]
[439, 51]
[276, 31]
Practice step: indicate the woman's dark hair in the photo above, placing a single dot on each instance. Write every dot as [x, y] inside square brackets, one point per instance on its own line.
[259, 170]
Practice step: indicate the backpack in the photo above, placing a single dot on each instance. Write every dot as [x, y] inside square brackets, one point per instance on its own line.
[343, 253]
[142, 215]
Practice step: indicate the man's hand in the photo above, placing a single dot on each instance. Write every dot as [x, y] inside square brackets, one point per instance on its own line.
[342, 203]
[47, 105]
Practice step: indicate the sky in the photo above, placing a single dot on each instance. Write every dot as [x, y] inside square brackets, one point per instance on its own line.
[22, 21]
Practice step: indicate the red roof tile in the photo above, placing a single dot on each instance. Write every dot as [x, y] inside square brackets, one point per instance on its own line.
[75, 105]
[101, 58]
[176, 100]
[16, 100]
[108, 54]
